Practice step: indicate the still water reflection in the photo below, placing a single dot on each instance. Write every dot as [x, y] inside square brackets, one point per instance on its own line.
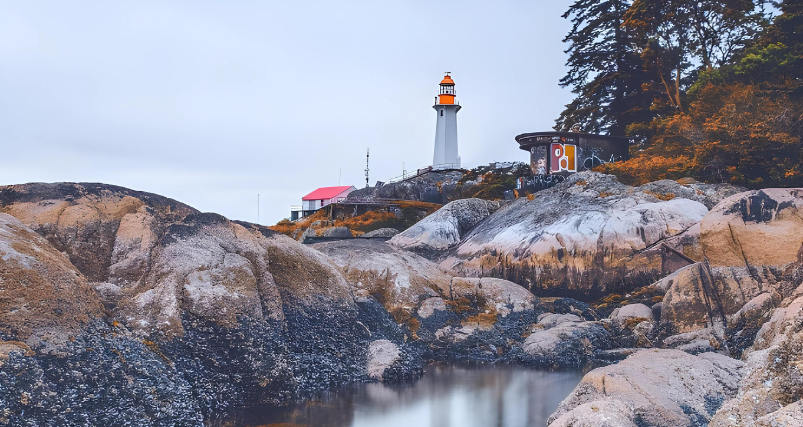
[447, 395]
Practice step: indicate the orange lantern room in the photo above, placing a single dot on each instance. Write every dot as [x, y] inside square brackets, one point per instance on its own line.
[447, 94]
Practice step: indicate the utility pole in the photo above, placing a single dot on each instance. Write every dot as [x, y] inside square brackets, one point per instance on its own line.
[367, 155]
[257, 208]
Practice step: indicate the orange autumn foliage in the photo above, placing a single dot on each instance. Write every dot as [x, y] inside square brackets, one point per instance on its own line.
[738, 133]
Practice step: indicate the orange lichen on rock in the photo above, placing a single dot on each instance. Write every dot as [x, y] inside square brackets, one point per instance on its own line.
[660, 196]
[41, 288]
[483, 320]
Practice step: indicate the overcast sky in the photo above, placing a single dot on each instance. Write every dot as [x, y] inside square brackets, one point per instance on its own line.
[212, 103]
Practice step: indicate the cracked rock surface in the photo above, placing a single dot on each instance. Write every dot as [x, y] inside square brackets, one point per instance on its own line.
[586, 234]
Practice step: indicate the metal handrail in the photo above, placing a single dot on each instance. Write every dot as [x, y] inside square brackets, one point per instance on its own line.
[422, 171]
[410, 175]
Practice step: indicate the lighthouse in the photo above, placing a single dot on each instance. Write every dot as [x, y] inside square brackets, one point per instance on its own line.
[446, 108]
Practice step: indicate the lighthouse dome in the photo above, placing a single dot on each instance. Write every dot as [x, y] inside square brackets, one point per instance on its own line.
[447, 80]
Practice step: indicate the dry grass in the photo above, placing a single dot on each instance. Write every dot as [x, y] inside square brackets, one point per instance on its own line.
[460, 305]
[631, 322]
[369, 221]
[288, 227]
[413, 324]
[665, 196]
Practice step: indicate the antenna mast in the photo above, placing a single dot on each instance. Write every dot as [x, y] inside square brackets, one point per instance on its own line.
[367, 155]
[257, 208]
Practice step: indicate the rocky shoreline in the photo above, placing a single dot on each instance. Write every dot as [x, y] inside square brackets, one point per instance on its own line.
[123, 305]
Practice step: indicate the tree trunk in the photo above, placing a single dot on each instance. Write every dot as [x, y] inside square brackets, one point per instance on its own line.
[677, 89]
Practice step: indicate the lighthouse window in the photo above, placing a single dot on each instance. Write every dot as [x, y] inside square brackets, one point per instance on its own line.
[441, 113]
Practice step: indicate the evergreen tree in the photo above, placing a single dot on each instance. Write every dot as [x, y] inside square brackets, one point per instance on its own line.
[778, 54]
[678, 38]
[605, 73]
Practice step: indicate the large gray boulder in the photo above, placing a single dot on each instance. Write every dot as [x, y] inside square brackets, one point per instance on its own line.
[751, 242]
[444, 229]
[565, 340]
[771, 385]
[660, 387]
[337, 232]
[599, 413]
[427, 187]
[762, 227]
[631, 311]
[585, 233]
[701, 296]
[503, 296]
[399, 278]
[382, 354]
[381, 233]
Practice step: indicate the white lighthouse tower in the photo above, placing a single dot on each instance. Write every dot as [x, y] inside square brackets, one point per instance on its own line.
[446, 156]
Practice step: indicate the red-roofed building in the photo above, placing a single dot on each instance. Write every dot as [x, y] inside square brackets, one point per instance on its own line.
[320, 198]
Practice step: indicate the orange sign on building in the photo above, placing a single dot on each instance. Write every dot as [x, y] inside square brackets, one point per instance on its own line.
[564, 158]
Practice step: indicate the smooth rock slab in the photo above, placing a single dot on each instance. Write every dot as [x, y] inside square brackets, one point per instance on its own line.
[568, 343]
[444, 229]
[382, 232]
[630, 311]
[762, 227]
[504, 296]
[663, 387]
[601, 413]
[550, 320]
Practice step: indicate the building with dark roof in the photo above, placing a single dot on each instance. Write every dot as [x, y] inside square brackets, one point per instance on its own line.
[568, 152]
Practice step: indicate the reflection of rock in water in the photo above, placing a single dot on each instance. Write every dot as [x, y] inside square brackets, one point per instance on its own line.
[447, 396]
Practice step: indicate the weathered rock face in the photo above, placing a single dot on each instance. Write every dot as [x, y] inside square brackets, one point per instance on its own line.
[82, 219]
[341, 232]
[565, 340]
[237, 313]
[587, 235]
[444, 229]
[730, 301]
[654, 388]
[445, 317]
[43, 296]
[61, 365]
[382, 354]
[381, 233]
[631, 311]
[757, 228]
[396, 277]
[479, 319]
[751, 242]
[502, 296]
[426, 188]
[599, 413]
[771, 385]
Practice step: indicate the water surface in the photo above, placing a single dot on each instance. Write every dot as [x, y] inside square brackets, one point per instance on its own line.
[447, 396]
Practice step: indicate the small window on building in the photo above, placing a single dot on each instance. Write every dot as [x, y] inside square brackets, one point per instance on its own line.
[441, 113]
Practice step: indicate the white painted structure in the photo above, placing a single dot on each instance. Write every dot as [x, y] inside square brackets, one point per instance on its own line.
[446, 156]
[318, 199]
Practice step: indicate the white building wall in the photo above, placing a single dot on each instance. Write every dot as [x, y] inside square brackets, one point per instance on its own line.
[446, 136]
